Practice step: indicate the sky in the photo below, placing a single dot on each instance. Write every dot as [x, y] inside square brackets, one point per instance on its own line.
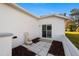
[41, 9]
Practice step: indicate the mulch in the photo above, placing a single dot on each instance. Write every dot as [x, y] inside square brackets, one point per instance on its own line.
[56, 49]
[22, 51]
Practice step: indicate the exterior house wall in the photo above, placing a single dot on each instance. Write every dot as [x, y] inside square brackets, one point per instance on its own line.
[16, 22]
[5, 46]
[58, 26]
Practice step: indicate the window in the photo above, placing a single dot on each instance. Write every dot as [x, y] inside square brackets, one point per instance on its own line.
[43, 27]
[48, 27]
[47, 31]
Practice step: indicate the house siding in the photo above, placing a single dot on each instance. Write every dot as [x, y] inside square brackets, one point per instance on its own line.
[58, 27]
[16, 22]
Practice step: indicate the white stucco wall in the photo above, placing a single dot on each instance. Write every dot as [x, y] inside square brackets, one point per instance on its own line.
[16, 22]
[5, 46]
[58, 26]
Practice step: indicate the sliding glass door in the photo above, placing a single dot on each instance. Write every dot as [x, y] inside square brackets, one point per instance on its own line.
[47, 31]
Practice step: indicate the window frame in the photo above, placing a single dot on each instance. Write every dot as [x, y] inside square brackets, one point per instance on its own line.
[47, 30]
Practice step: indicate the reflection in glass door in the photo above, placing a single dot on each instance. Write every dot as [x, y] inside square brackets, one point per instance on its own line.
[47, 31]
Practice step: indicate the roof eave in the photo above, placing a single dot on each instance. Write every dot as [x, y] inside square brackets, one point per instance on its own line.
[53, 15]
[37, 17]
[21, 9]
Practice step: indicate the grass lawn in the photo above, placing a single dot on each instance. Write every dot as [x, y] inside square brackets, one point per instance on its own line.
[74, 38]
